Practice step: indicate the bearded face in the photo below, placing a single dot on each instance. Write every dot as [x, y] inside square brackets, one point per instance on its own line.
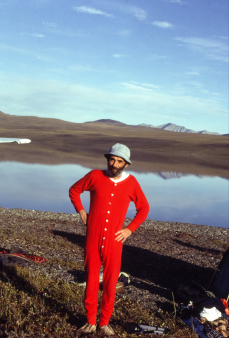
[115, 166]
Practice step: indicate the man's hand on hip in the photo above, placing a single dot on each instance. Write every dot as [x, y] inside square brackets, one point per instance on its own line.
[83, 216]
[123, 234]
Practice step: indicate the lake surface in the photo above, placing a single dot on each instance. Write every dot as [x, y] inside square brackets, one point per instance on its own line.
[172, 197]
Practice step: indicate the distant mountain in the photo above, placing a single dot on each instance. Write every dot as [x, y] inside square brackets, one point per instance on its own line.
[146, 125]
[178, 129]
[175, 128]
[168, 126]
[108, 121]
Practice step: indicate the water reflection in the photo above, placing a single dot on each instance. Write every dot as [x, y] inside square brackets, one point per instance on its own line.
[170, 174]
[191, 199]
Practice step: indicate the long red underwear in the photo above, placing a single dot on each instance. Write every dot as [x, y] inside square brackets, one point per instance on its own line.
[109, 202]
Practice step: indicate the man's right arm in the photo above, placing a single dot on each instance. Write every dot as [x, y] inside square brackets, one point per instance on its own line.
[76, 189]
[83, 216]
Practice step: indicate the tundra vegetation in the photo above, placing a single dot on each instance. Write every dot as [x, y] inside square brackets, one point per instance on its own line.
[44, 300]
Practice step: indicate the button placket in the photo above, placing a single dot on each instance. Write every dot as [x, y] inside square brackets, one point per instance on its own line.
[105, 229]
[107, 219]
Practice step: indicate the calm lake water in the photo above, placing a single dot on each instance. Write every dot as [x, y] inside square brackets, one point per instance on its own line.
[188, 199]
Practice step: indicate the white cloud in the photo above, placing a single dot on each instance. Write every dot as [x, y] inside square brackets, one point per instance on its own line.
[193, 73]
[90, 10]
[80, 68]
[36, 35]
[211, 49]
[124, 32]
[150, 85]
[138, 13]
[50, 24]
[14, 49]
[53, 29]
[30, 53]
[155, 56]
[199, 86]
[162, 24]
[135, 87]
[42, 58]
[68, 32]
[180, 2]
[143, 84]
[85, 68]
[119, 56]
[191, 86]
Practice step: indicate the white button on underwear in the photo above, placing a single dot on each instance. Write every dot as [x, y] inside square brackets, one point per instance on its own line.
[115, 184]
[112, 194]
[108, 212]
[103, 237]
[102, 246]
[105, 229]
[106, 220]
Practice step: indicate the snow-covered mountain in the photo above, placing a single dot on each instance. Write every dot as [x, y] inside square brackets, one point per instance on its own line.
[178, 129]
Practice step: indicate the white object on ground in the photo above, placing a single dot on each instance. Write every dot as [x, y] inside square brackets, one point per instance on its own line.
[210, 314]
[11, 140]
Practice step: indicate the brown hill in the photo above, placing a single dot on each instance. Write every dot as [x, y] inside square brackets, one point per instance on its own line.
[109, 121]
[55, 141]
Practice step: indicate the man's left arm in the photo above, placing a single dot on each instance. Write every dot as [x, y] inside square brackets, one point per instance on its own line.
[123, 234]
[142, 207]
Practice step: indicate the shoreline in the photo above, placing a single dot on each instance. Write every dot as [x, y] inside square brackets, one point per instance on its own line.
[154, 150]
[157, 256]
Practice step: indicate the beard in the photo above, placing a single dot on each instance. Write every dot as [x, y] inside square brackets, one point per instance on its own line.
[114, 172]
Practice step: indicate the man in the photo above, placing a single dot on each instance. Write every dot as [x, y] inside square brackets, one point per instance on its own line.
[111, 191]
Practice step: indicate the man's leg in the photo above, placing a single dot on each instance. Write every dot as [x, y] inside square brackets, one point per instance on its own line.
[111, 270]
[92, 271]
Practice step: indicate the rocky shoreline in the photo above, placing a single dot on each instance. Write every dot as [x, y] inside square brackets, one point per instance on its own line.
[157, 256]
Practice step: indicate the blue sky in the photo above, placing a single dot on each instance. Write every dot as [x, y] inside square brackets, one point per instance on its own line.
[148, 61]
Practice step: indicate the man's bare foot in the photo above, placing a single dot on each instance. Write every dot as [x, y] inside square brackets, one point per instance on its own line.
[106, 330]
[86, 329]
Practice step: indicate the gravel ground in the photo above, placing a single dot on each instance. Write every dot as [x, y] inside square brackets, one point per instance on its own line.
[157, 256]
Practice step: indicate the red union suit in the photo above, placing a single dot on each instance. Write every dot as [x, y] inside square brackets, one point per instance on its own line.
[109, 201]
